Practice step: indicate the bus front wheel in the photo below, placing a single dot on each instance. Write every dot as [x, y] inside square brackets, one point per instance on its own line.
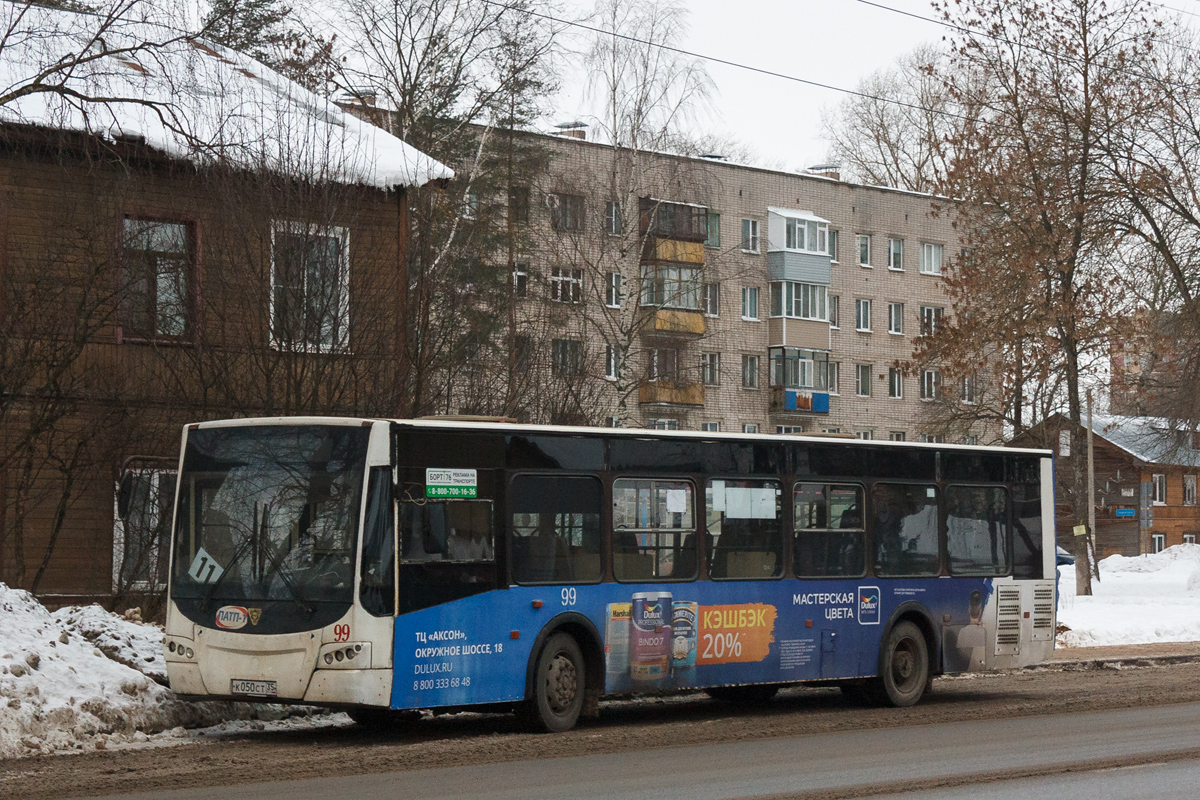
[904, 666]
[558, 687]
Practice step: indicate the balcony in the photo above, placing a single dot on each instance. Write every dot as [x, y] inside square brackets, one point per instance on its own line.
[681, 221]
[798, 401]
[659, 250]
[674, 393]
[673, 322]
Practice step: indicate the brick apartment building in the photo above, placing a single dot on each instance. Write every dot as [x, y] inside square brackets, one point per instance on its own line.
[702, 294]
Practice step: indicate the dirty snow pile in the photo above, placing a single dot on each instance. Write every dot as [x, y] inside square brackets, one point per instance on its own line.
[1138, 600]
[82, 678]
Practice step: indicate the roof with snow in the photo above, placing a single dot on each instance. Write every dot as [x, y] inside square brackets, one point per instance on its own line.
[189, 98]
[1149, 439]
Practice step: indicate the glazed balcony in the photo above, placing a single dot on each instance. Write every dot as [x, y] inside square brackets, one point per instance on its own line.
[683, 222]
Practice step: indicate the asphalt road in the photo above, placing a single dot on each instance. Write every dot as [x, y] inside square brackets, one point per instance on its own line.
[1151, 752]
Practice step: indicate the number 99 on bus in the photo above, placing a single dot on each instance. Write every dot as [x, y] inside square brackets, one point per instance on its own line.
[568, 597]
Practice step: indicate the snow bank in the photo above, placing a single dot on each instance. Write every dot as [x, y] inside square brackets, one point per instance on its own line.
[1138, 600]
[82, 678]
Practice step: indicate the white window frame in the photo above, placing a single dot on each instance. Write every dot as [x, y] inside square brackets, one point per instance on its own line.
[1159, 488]
[612, 422]
[805, 236]
[614, 288]
[751, 238]
[662, 424]
[520, 270]
[614, 223]
[862, 315]
[1189, 490]
[566, 282]
[612, 362]
[897, 436]
[710, 299]
[1189, 538]
[710, 369]
[789, 429]
[709, 239]
[1158, 542]
[748, 293]
[860, 239]
[895, 254]
[343, 310]
[896, 318]
[931, 258]
[862, 379]
[895, 383]
[931, 383]
[833, 246]
[749, 427]
[118, 539]
[968, 390]
[710, 427]
[833, 370]
[931, 317]
[750, 370]
[865, 436]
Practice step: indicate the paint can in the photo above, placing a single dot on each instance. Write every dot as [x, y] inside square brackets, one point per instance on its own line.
[650, 645]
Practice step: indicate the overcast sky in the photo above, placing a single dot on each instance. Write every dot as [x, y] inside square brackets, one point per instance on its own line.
[830, 41]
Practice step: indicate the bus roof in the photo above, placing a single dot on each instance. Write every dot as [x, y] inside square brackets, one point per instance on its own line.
[576, 430]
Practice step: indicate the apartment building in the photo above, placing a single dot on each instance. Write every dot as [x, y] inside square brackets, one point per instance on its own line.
[708, 295]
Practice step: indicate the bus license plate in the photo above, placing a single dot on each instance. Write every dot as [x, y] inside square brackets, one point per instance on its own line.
[257, 688]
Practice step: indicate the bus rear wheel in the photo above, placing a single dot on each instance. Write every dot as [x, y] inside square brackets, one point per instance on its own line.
[558, 685]
[755, 695]
[903, 667]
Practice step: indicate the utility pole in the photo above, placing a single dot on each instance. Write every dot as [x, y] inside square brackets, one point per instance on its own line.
[1083, 567]
[1091, 537]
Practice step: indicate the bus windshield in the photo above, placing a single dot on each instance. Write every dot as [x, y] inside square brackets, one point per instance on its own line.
[269, 513]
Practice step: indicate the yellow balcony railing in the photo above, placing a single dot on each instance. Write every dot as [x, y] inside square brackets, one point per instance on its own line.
[672, 392]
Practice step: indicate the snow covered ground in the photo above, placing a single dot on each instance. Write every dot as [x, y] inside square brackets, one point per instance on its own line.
[82, 678]
[1139, 600]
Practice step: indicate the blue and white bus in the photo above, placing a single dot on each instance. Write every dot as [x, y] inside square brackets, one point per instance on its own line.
[380, 565]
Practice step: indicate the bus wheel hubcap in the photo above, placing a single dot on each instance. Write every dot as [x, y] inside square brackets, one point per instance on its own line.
[561, 683]
[902, 665]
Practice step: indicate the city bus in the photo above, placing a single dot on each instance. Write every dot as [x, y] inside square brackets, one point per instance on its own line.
[386, 565]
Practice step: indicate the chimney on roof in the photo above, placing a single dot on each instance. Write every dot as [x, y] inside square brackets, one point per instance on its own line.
[826, 171]
[572, 130]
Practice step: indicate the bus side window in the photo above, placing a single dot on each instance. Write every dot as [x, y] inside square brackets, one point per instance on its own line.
[377, 592]
[830, 535]
[905, 526]
[654, 529]
[1027, 533]
[745, 527]
[977, 530]
[555, 524]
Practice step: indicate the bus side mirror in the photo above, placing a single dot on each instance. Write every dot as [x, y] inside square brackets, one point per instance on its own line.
[124, 494]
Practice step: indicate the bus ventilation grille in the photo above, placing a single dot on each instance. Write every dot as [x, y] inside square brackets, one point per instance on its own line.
[1008, 621]
[1043, 613]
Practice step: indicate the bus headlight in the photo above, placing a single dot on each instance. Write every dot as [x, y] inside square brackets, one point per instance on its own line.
[179, 650]
[345, 655]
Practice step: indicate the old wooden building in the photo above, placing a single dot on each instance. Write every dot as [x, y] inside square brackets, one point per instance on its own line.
[1145, 471]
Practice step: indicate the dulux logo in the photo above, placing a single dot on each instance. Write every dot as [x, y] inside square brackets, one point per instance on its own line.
[232, 617]
[868, 605]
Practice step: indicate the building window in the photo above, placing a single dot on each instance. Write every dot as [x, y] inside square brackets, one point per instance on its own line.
[520, 279]
[798, 300]
[866, 436]
[864, 250]
[749, 236]
[750, 427]
[808, 236]
[157, 266]
[832, 376]
[931, 259]
[833, 246]
[789, 429]
[896, 254]
[931, 319]
[566, 212]
[310, 287]
[1064, 443]
[566, 285]
[612, 362]
[710, 368]
[895, 382]
[931, 383]
[662, 424]
[470, 209]
[833, 310]
[967, 389]
[896, 436]
[896, 318]
[662, 364]
[710, 427]
[1160, 489]
[970, 440]
[749, 372]
[1189, 490]
[862, 380]
[1159, 541]
[566, 356]
[1189, 538]
[671, 286]
[712, 299]
[862, 315]
[933, 438]
[518, 205]
[714, 230]
[750, 302]
[612, 422]
[614, 224]
[797, 368]
[613, 290]
[141, 542]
